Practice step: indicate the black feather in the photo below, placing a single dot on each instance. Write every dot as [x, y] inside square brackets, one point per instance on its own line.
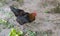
[22, 16]
[17, 12]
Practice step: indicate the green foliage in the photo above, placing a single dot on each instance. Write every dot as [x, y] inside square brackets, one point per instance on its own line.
[6, 23]
[14, 32]
[2, 21]
[30, 33]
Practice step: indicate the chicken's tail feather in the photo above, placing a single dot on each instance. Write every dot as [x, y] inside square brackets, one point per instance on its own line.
[14, 10]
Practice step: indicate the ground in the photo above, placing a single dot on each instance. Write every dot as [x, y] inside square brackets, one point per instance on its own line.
[44, 21]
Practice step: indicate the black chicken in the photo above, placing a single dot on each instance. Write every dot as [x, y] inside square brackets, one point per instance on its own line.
[22, 16]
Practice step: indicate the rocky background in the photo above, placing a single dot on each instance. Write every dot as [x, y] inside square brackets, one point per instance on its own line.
[47, 19]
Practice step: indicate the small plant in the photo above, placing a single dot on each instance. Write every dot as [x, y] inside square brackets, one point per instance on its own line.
[15, 32]
[30, 33]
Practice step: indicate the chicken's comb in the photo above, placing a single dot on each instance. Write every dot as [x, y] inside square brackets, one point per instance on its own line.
[34, 13]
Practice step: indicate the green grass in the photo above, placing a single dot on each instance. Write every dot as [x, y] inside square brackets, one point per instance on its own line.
[6, 23]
